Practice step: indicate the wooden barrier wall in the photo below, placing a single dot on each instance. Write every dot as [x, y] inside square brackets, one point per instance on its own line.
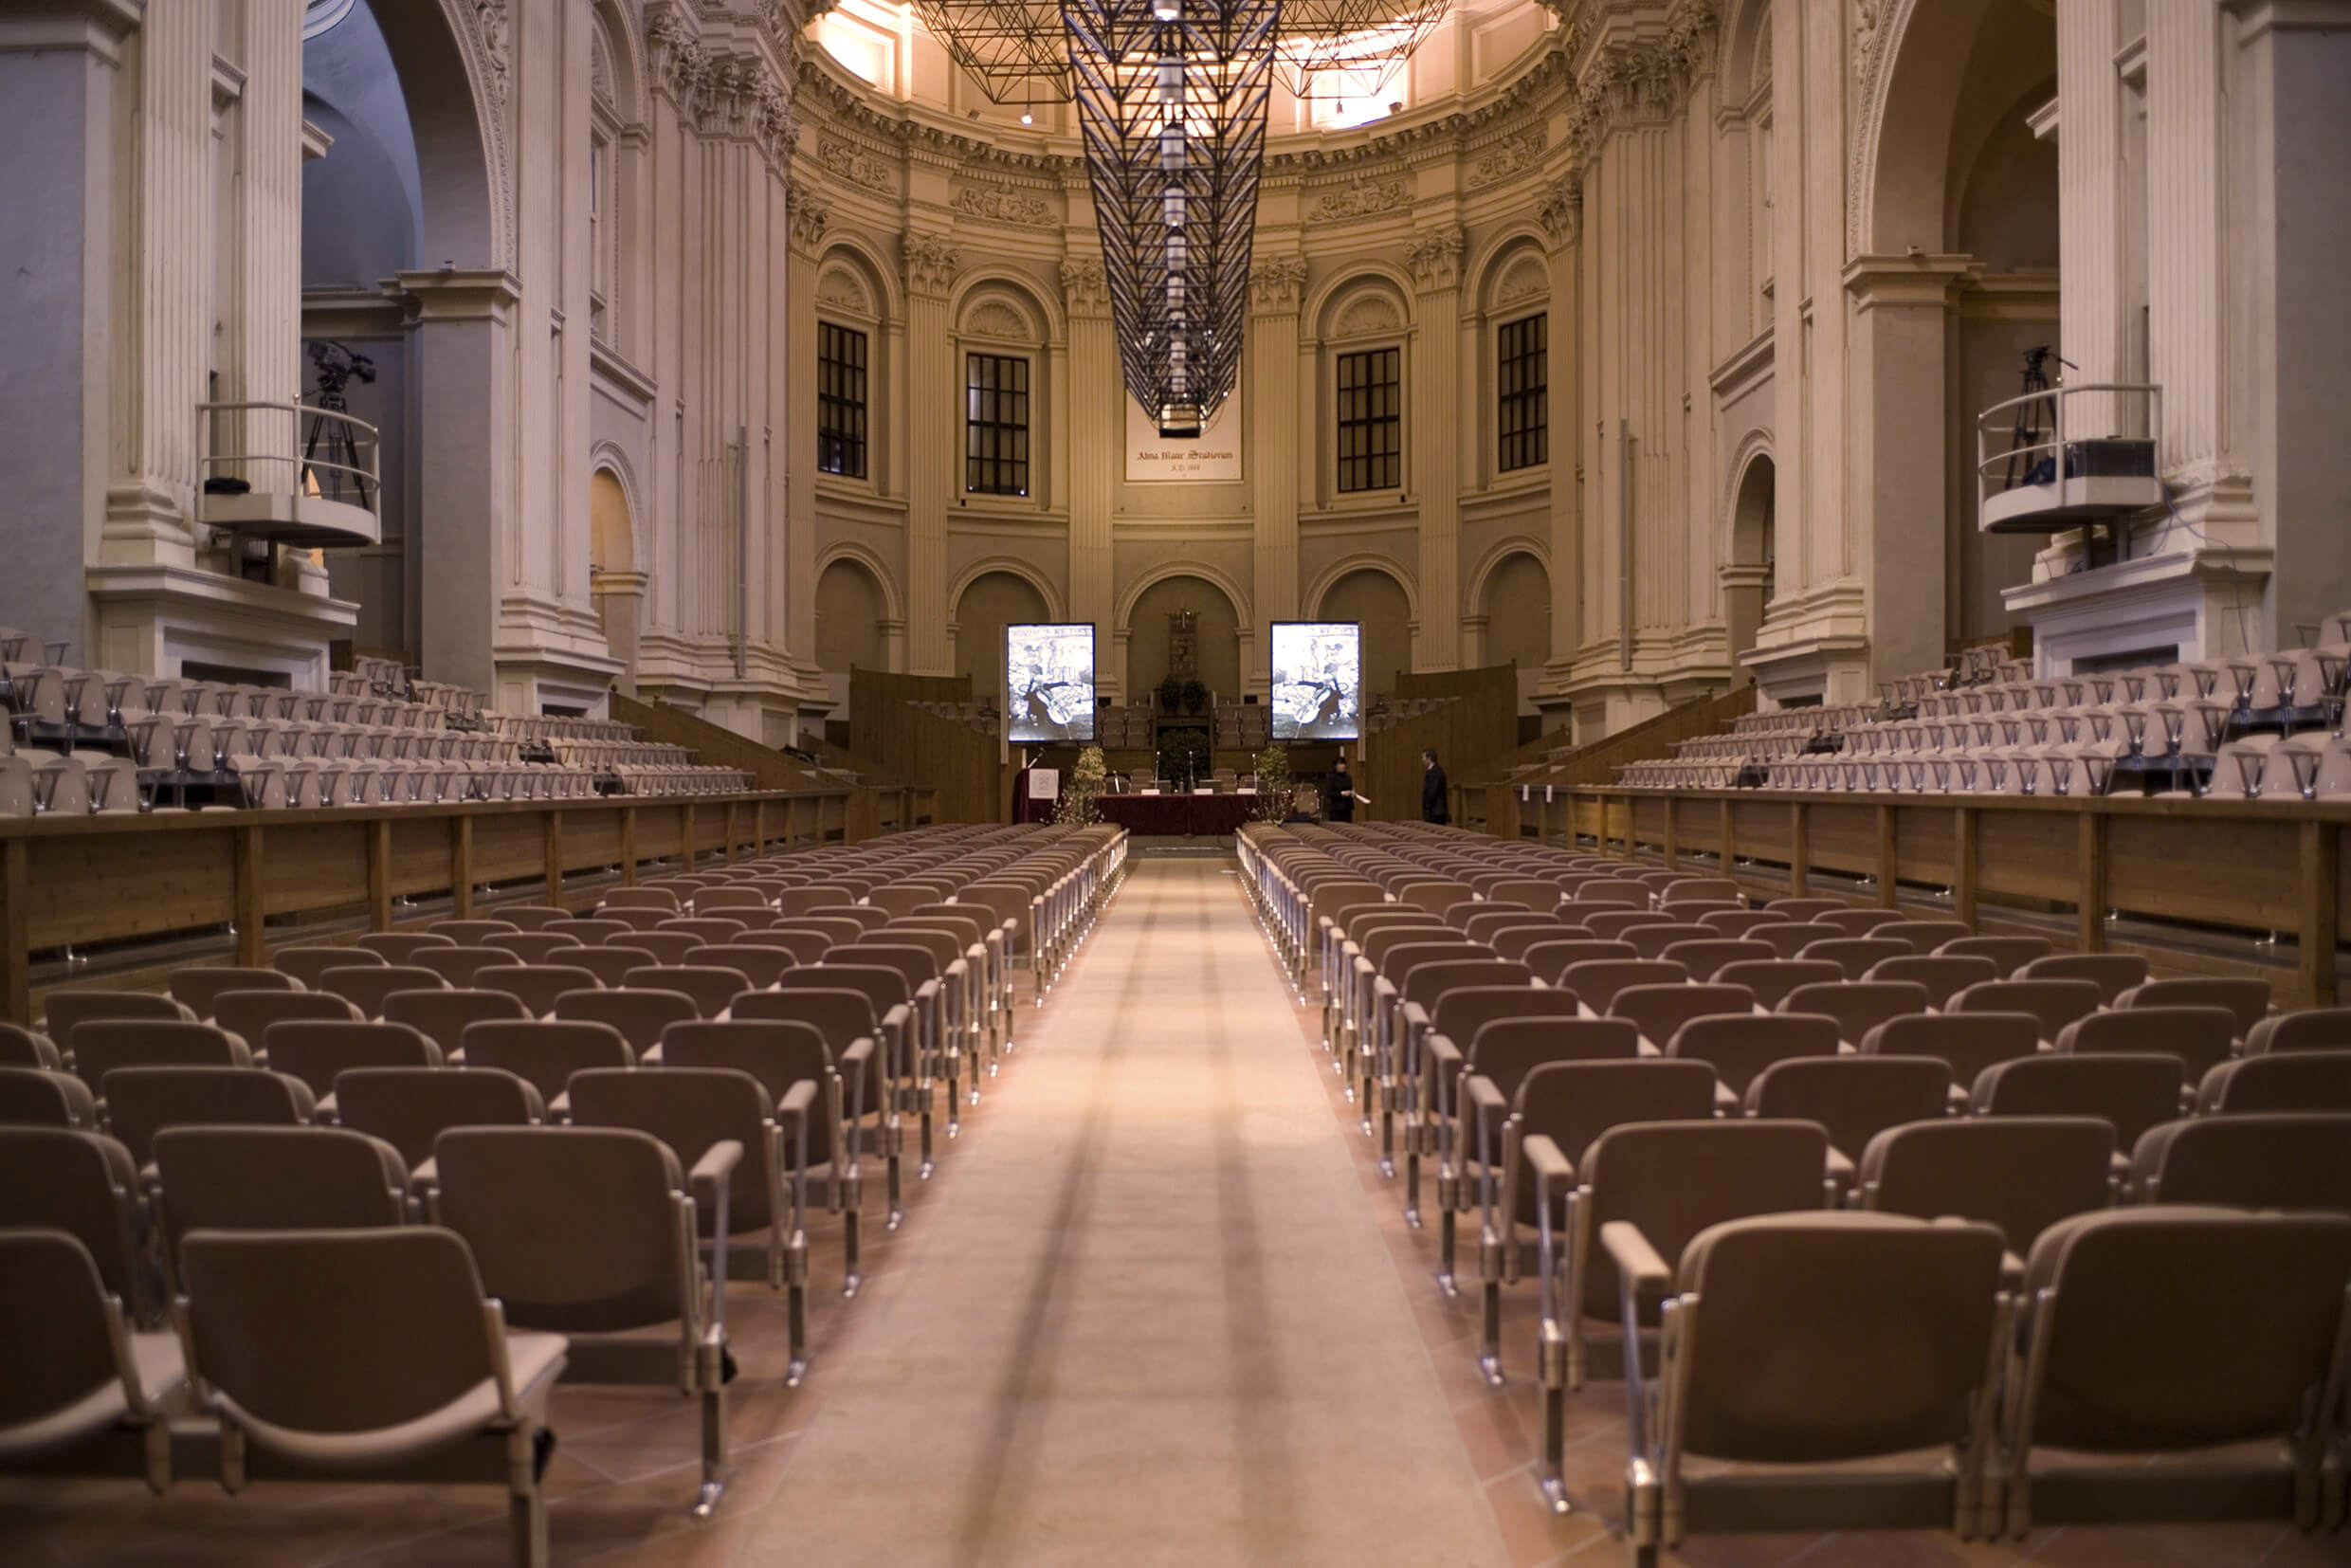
[1482, 723]
[1493, 800]
[89, 881]
[963, 767]
[874, 808]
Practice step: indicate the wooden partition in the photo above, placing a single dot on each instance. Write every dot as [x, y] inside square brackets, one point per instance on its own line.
[2239, 869]
[876, 807]
[1479, 723]
[963, 767]
[88, 882]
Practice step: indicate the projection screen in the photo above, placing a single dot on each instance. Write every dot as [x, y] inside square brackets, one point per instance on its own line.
[1318, 679]
[1048, 682]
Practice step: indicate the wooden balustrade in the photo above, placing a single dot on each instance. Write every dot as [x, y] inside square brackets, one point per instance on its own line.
[87, 882]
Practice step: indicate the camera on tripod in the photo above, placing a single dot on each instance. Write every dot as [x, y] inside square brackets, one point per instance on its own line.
[337, 368]
[331, 463]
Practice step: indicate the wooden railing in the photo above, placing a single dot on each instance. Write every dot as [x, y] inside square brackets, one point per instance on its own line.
[1479, 723]
[90, 881]
[963, 766]
[2263, 870]
[876, 807]
[1526, 773]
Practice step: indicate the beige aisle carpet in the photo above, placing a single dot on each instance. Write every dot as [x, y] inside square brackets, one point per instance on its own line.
[1153, 1320]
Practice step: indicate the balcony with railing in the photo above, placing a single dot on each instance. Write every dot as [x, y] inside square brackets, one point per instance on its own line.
[291, 473]
[2039, 471]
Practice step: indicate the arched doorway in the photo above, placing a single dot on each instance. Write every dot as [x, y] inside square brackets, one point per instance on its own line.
[1219, 641]
[1517, 611]
[1378, 600]
[612, 575]
[849, 612]
[993, 601]
[1751, 578]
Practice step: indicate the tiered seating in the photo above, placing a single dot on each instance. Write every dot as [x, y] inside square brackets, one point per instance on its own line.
[82, 741]
[528, 1175]
[976, 716]
[1771, 1141]
[2256, 725]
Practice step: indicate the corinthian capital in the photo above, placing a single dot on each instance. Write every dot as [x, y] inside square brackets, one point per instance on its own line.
[1276, 281]
[1561, 209]
[930, 264]
[1085, 287]
[1435, 259]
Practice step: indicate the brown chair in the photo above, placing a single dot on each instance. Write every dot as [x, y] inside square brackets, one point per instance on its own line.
[1858, 1006]
[195, 989]
[760, 966]
[103, 1045]
[588, 1232]
[2294, 1081]
[612, 961]
[539, 985]
[1943, 977]
[1892, 1326]
[67, 1011]
[635, 918]
[711, 931]
[1706, 957]
[2202, 1037]
[545, 1052]
[401, 947]
[316, 1050]
[1855, 922]
[84, 1183]
[843, 1016]
[2133, 1090]
[668, 947]
[459, 965]
[806, 947]
[274, 1178]
[1699, 889]
[2168, 1330]
[710, 987]
[1924, 937]
[2020, 1173]
[555, 945]
[2261, 1160]
[72, 1371]
[1740, 1045]
[1772, 979]
[466, 933]
[2248, 999]
[1552, 957]
[638, 1014]
[1738, 923]
[1966, 1042]
[1650, 941]
[414, 1362]
[640, 898]
[711, 899]
[2008, 953]
[534, 917]
[248, 1015]
[367, 987]
[23, 1047]
[590, 931]
[143, 1100]
[408, 1107]
[2112, 973]
[1658, 1011]
[442, 1016]
[1806, 909]
[1598, 980]
[2055, 1003]
[1608, 923]
[45, 1097]
[1856, 956]
[2315, 1028]
[1790, 941]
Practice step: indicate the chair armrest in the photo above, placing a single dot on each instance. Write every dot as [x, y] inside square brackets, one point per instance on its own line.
[651, 1056]
[1482, 1096]
[714, 1170]
[1542, 1156]
[1725, 1099]
[797, 1101]
[1634, 1257]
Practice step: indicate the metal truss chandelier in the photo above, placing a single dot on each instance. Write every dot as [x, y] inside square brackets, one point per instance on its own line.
[1172, 98]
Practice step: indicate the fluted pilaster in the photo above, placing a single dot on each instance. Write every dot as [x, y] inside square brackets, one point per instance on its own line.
[934, 467]
[1435, 258]
[1097, 437]
[1275, 285]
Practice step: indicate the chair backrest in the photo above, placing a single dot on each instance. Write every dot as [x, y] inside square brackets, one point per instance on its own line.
[2202, 1037]
[1855, 922]
[1650, 941]
[1552, 956]
[2282, 1159]
[102, 1044]
[1425, 983]
[708, 987]
[1706, 958]
[140, 1102]
[442, 1016]
[466, 932]
[408, 1337]
[1698, 889]
[690, 1109]
[60, 1347]
[2008, 953]
[2248, 999]
[610, 963]
[779, 1054]
[1507, 1049]
[67, 1011]
[2055, 1003]
[1740, 1045]
[535, 947]
[1615, 923]
[1858, 1006]
[366, 987]
[534, 917]
[1943, 977]
[545, 1052]
[2314, 1028]
[2112, 973]
[1772, 979]
[637, 1013]
[641, 898]
[593, 932]
[317, 1051]
[248, 1015]
[1658, 1011]
[1598, 980]
[577, 1229]
[712, 898]
[1573, 1101]
[1856, 956]
[45, 1097]
[1380, 944]
[1885, 1323]
[2020, 1173]
[1790, 941]
[1674, 1178]
[81, 1182]
[1738, 923]
[23, 1047]
[1614, 890]
[1854, 1096]
[408, 1107]
[1924, 937]
[195, 988]
[1967, 1042]
[1462, 1010]
[884, 987]
[1806, 909]
[401, 947]
[839, 1013]
[712, 929]
[759, 966]
[2295, 1081]
[459, 965]
[2255, 1300]
[537, 986]
[2133, 1090]
[277, 1178]
[1525, 932]
[805, 947]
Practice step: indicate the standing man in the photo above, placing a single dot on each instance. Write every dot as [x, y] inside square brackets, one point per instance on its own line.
[1338, 796]
[1432, 797]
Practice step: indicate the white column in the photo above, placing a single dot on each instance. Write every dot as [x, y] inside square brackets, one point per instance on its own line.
[1097, 439]
[1562, 213]
[934, 468]
[1432, 441]
[1275, 285]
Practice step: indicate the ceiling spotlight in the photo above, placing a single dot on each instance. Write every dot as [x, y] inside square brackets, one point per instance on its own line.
[1028, 118]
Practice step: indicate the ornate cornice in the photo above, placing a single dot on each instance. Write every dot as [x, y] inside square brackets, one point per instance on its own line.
[1444, 133]
[720, 91]
[845, 159]
[850, 109]
[1002, 204]
[1643, 79]
[1085, 287]
[1276, 283]
[932, 263]
[1435, 259]
[1365, 196]
[1516, 151]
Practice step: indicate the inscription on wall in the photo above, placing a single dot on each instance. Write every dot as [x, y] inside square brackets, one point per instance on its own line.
[1216, 456]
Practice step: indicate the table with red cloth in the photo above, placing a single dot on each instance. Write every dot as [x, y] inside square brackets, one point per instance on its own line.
[1178, 815]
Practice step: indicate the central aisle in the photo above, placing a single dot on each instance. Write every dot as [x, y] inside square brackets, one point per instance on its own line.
[1151, 1322]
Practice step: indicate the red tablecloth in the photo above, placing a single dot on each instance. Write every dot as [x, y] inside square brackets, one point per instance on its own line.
[1174, 815]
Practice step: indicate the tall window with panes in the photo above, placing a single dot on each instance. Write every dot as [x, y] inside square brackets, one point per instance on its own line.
[1370, 420]
[995, 425]
[840, 400]
[1523, 384]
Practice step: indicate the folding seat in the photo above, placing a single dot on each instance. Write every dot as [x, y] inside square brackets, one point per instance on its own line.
[1738, 923]
[142, 1100]
[1738, 1047]
[318, 1051]
[710, 988]
[611, 961]
[2314, 1028]
[760, 965]
[442, 1016]
[414, 1362]
[639, 898]
[1858, 1006]
[2165, 1330]
[23, 1047]
[1490, 918]
[1650, 941]
[1528, 892]
[930, 991]
[468, 932]
[45, 1097]
[713, 930]
[86, 1184]
[590, 931]
[1805, 909]
[274, 1178]
[1597, 981]
[1923, 936]
[247, 1014]
[1706, 958]
[2294, 1081]
[73, 1372]
[459, 965]
[1622, 891]
[1856, 954]
[668, 947]
[1772, 979]
[1615, 925]
[539, 985]
[1854, 1096]
[2259, 1161]
[2008, 953]
[1420, 989]
[1943, 978]
[1966, 1042]
[843, 1016]
[2112, 973]
[66, 1009]
[307, 963]
[401, 947]
[2133, 1090]
[635, 917]
[1892, 1326]
[2248, 999]
[2202, 1037]
[533, 947]
[103, 1045]
[408, 1107]
[195, 988]
[1688, 889]
[868, 920]
[534, 917]
[1658, 1011]
[544, 1052]
[1515, 941]
[1790, 941]
[1852, 921]
[2055, 1003]
[2022, 1174]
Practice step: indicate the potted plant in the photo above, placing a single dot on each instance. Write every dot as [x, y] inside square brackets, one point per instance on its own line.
[1276, 788]
[1077, 806]
[1194, 695]
[1171, 692]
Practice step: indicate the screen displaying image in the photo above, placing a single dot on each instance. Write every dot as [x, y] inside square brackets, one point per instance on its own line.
[1048, 682]
[1318, 679]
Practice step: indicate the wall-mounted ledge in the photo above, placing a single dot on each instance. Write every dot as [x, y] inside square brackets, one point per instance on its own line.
[1737, 375]
[98, 26]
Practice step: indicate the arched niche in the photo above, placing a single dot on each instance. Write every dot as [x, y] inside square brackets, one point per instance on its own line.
[1220, 640]
[989, 603]
[1515, 603]
[613, 575]
[1750, 579]
[850, 610]
[1374, 596]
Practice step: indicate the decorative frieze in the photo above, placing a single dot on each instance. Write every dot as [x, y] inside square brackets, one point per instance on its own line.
[1365, 198]
[855, 165]
[1000, 205]
[932, 263]
[1435, 259]
[1276, 283]
[494, 30]
[1519, 150]
[994, 318]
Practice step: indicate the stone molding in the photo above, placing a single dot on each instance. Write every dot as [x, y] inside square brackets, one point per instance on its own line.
[1561, 209]
[1276, 283]
[810, 213]
[932, 265]
[1084, 286]
[1435, 259]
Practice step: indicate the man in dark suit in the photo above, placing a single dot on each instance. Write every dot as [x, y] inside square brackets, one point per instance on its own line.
[1339, 795]
[1433, 797]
